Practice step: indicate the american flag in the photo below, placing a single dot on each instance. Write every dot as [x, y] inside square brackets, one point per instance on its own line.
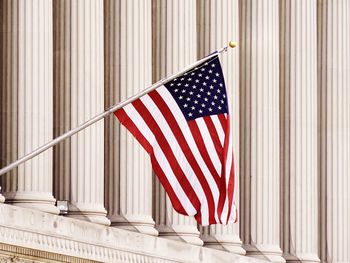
[184, 126]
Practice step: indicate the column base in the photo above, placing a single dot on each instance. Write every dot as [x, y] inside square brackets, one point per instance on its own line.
[271, 253]
[230, 243]
[2, 198]
[142, 224]
[189, 234]
[41, 201]
[94, 213]
[301, 257]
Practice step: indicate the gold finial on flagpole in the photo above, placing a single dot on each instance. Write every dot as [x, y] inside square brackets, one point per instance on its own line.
[233, 44]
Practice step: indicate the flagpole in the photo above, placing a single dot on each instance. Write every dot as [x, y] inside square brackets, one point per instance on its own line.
[107, 112]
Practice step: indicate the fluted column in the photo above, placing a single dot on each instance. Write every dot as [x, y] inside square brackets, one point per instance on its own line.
[26, 101]
[128, 60]
[79, 95]
[218, 23]
[260, 143]
[174, 46]
[334, 125]
[299, 214]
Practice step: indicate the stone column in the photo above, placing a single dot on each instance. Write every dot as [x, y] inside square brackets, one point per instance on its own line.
[174, 46]
[334, 126]
[260, 143]
[218, 23]
[299, 213]
[79, 95]
[26, 110]
[128, 60]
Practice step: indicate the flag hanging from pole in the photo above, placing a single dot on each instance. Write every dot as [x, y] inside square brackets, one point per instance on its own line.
[184, 126]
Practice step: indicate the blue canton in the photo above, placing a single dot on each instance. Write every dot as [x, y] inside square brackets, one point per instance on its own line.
[200, 91]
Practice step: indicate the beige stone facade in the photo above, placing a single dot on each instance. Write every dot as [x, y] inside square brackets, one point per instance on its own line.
[64, 61]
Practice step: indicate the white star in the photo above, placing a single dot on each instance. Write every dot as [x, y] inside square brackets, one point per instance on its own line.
[217, 74]
[222, 101]
[186, 85]
[212, 65]
[213, 103]
[176, 90]
[204, 84]
[172, 84]
[200, 111]
[206, 63]
[211, 86]
[208, 93]
[189, 79]
[193, 107]
[198, 95]
[206, 99]
[202, 69]
[191, 92]
[218, 90]
[219, 107]
[190, 114]
[210, 71]
[182, 79]
[192, 73]
[179, 84]
[188, 99]
[183, 91]
[215, 97]
[185, 105]
[175, 79]
[224, 96]
[180, 97]
[214, 80]
[196, 102]
[201, 89]
[210, 109]
[200, 75]
[207, 77]
[196, 80]
[194, 86]
[221, 85]
[203, 105]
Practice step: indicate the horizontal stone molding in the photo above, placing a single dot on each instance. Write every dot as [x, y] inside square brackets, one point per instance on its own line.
[52, 237]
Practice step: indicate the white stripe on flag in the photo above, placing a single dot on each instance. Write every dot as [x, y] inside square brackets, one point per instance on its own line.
[209, 144]
[159, 155]
[174, 145]
[218, 127]
[139, 122]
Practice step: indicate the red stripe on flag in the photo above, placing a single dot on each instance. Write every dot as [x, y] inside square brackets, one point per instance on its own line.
[168, 116]
[167, 186]
[129, 124]
[214, 135]
[226, 151]
[203, 150]
[164, 145]
[230, 190]
[223, 121]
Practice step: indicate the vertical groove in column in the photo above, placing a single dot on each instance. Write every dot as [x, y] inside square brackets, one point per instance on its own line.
[128, 174]
[298, 105]
[334, 112]
[174, 42]
[79, 95]
[217, 24]
[26, 101]
[260, 144]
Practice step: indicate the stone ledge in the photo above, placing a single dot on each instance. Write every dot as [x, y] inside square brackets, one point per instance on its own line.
[47, 237]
